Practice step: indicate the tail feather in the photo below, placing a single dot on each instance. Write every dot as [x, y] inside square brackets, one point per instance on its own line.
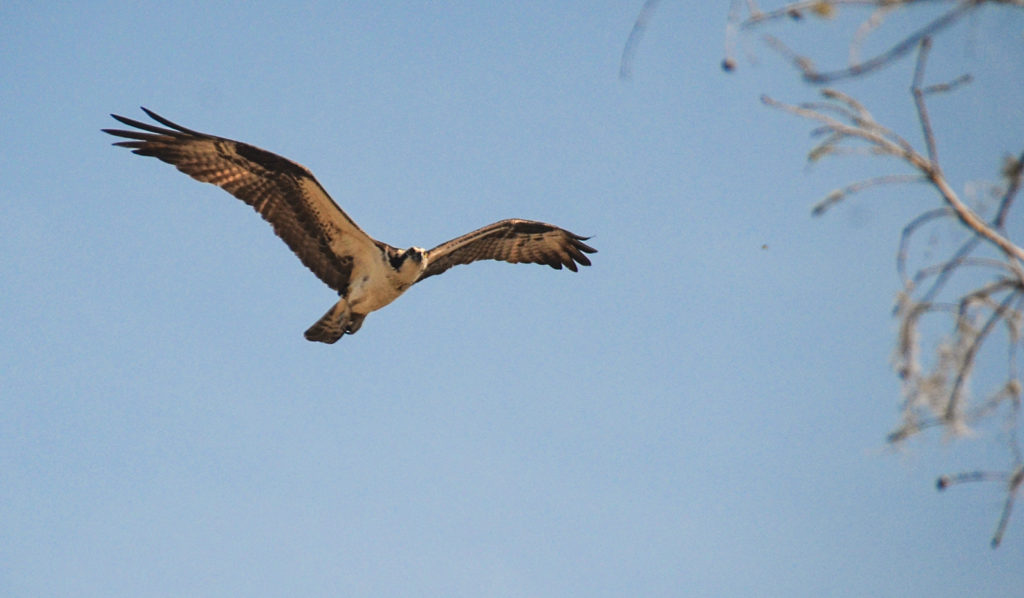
[334, 324]
[331, 326]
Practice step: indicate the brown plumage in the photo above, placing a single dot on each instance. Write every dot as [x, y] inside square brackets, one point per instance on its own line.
[367, 274]
[513, 241]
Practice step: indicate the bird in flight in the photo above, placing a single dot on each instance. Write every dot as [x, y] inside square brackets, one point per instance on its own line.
[367, 274]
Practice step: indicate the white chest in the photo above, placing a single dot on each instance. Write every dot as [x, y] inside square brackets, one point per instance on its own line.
[374, 284]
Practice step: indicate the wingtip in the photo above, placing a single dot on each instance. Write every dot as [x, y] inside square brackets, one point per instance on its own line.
[165, 122]
[579, 244]
[578, 241]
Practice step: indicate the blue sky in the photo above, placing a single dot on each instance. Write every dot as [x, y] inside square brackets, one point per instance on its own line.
[702, 412]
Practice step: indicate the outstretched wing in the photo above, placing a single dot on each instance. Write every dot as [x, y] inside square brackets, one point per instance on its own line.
[284, 193]
[515, 241]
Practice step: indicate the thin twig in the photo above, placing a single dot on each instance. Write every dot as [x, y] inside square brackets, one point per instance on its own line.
[639, 26]
[791, 10]
[967, 363]
[1014, 173]
[946, 481]
[869, 25]
[952, 264]
[811, 75]
[839, 194]
[922, 110]
[908, 231]
[1011, 496]
[949, 86]
[947, 268]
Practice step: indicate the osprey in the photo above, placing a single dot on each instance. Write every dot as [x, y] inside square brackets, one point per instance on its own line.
[367, 274]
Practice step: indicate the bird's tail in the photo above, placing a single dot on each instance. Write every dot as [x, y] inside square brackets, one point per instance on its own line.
[338, 321]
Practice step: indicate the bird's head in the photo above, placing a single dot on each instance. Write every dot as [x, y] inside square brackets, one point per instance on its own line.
[408, 264]
[416, 254]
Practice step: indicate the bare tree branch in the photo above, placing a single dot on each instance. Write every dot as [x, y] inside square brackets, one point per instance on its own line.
[922, 110]
[839, 194]
[978, 287]
[828, 8]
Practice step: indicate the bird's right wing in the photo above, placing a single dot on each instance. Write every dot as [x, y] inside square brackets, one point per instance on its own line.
[285, 194]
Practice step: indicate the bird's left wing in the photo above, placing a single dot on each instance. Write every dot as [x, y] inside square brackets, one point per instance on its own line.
[514, 241]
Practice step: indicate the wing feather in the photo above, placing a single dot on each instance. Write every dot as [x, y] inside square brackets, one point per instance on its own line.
[514, 241]
[284, 193]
